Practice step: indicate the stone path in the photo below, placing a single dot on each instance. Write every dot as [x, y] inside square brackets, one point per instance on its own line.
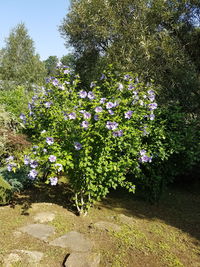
[80, 248]
[73, 241]
[40, 231]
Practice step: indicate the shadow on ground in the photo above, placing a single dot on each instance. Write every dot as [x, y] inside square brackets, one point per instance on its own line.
[179, 207]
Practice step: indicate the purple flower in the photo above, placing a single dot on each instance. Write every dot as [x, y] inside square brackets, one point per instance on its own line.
[59, 65]
[45, 150]
[118, 133]
[49, 140]
[82, 94]
[52, 158]
[152, 116]
[30, 106]
[26, 160]
[22, 117]
[98, 109]
[130, 87]
[77, 145]
[120, 86]
[116, 104]
[111, 112]
[33, 164]
[86, 115]
[127, 77]
[110, 105]
[153, 106]
[10, 158]
[143, 152]
[10, 166]
[145, 158]
[151, 97]
[102, 100]
[90, 95]
[32, 174]
[72, 116]
[60, 167]
[47, 80]
[53, 180]
[151, 92]
[135, 92]
[61, 87]
[67, 71]
[96, 117]
[128, 114]
[111, 125]
[47, 104]
[92, 84]
[85, 124]
[55, 82]
[102, 76]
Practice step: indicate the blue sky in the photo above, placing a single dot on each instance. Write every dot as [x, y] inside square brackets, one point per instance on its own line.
[41, 17]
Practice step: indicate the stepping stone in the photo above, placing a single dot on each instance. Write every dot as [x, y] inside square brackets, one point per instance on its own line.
[83, 259]
[25, 257]
[73, 241]
[107, 226]
[40, 231]
[126, 219]
[44, 217]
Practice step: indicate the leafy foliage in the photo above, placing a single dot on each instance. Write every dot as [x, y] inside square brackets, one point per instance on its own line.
[50, 64]
[10, 140]
[15, 100]
[158, 39]
[5, 192]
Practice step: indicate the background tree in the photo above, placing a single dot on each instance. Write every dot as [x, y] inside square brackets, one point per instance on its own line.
[69, 60]
[156, 38]
[19, 62]
[50, 64]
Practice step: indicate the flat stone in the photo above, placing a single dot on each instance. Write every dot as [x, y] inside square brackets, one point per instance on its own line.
[107, 226]
[44, 217]
[25, 257]
[126, 219]
[83, 259]
[73, 241]
[39, 231]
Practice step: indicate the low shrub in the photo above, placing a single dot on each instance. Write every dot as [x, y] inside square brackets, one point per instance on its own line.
[11, 141]
[18, 179]
[5, 192]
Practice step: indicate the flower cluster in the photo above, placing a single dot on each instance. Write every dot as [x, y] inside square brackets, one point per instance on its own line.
[144, 157]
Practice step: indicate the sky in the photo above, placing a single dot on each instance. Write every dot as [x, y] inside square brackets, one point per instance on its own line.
[41, 18]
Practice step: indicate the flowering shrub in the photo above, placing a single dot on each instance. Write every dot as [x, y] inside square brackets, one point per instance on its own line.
[94, 137]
